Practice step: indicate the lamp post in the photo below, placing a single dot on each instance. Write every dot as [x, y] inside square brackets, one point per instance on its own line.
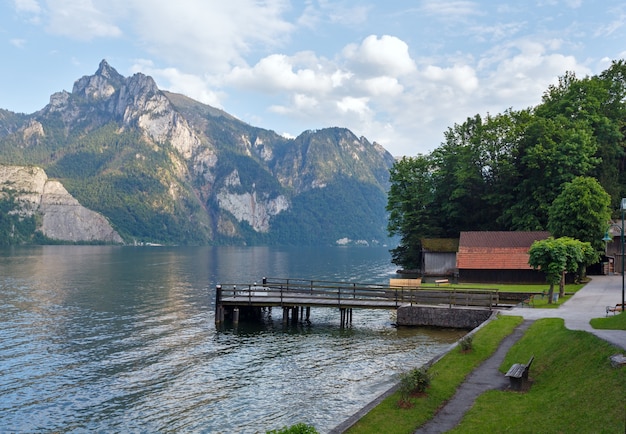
[607, 238]
[623, 208]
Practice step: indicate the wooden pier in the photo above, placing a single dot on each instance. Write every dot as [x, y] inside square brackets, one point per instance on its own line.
[296, 297]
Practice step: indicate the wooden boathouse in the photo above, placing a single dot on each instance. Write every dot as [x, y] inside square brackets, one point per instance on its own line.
[296, 297]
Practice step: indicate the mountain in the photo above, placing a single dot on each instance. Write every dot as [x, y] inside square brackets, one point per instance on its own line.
[163, 168]
[28, 192]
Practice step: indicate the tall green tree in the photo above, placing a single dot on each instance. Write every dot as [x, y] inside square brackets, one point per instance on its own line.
[581, 211]
[552, 151]
[474, 172]
[409, 204]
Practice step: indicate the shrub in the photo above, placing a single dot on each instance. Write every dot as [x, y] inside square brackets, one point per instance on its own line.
[413, 382]
[467, 343]
[299, 428]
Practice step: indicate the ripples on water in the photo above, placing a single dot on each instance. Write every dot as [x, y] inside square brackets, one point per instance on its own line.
[121, 339]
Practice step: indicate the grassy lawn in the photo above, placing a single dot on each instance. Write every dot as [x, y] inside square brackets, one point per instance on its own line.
[539, 300]
[449, 373]
[506, 287]
[574, 388]
[612, 322]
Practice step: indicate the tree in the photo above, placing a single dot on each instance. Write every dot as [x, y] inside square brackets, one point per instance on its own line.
[475, 171]
[581, 211]
[409, 204]
[557, 256]
[552, 151]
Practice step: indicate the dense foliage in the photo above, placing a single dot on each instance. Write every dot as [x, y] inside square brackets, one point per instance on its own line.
[14, 229]
[345, 209]
[559, 166]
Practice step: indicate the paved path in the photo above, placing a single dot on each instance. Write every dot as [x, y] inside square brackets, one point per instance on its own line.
[590, 302]
[485, 377]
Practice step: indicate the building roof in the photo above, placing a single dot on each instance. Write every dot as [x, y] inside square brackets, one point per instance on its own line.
[441, 245]
[501, 239]
[496, 250]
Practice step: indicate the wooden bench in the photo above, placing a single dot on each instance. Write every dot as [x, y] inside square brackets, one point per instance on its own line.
[614, 309]
[518, 375]
[441, 282]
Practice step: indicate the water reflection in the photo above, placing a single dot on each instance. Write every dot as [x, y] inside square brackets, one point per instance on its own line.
[123, 339]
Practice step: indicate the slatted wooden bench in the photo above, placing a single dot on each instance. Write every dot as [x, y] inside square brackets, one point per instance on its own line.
[518, 375]
[614, 309]
[441, 282]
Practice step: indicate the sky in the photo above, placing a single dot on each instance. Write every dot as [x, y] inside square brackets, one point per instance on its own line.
[398, 72]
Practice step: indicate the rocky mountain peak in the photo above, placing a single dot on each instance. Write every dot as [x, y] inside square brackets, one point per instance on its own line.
[100, 86]
[166, 168]
[107, 71]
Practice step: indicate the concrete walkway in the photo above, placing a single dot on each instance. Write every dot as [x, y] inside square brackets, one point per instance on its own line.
[590, 302]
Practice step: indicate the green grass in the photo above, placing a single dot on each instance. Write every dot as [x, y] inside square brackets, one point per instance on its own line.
[507, 287]
[612, 322]
[540, 301]
[448, 373]
[574, 388]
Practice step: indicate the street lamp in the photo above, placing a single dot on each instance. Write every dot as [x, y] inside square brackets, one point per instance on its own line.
[607, 237]
[623, 208]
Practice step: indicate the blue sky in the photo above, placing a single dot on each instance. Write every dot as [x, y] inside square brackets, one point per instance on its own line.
[398, 72]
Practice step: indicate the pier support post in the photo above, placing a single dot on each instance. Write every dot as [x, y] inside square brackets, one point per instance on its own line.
[346, 316]
[285, 315]
[236, 316]
[218, 305]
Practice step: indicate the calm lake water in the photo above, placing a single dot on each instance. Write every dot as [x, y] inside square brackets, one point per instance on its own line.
[122, 339]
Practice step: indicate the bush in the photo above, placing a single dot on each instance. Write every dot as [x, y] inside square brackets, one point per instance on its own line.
[467, 343]
[413, 382]
[300, 428]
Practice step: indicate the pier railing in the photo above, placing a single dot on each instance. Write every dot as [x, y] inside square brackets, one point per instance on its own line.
[300, 292]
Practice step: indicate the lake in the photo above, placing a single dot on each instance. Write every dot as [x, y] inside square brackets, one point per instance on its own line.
[123, 339]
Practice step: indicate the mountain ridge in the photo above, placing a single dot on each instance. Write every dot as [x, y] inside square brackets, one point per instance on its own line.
[164, 168]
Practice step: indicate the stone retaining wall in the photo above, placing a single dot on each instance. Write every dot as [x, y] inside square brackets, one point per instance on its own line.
[435, 316]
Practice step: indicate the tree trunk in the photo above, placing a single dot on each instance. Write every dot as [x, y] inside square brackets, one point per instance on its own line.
[562, 285]
[550, 292]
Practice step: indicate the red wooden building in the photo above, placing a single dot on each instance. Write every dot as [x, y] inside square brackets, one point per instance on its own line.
[498, 256]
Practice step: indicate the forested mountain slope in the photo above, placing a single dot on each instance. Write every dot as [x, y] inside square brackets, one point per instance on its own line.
[163, 168]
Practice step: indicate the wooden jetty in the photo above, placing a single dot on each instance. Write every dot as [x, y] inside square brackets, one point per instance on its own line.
[296, 297]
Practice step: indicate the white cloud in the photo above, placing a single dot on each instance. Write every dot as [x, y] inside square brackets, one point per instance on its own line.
[176, 81]
[461, 77]
[29, 6]
[209, 37]
[382, 86]
[82, 19]
[18, 43]
[450, 10]
[335, 12]
[279, 72]
[401, 79]
[522, 77]
[387, 55]
[355, 105]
